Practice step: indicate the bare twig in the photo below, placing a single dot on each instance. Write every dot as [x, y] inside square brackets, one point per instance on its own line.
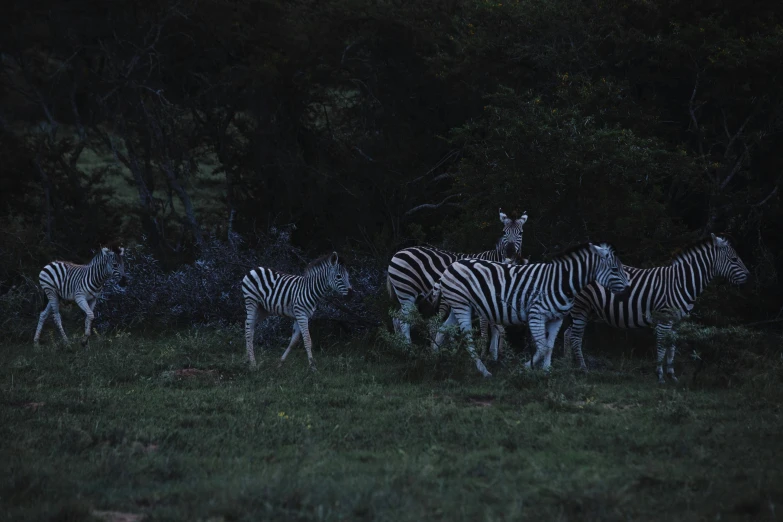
[451, 154]
[769, 196]
[737, 166]
[434, 206]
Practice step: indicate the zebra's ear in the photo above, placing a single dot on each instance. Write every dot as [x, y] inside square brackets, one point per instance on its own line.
[718, 241]
[333, 259]
[599, 250]
[122, 251]
[523, 218]
[503, 217]
[104, 250]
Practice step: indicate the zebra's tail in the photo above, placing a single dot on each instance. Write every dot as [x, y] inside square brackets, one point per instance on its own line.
[429, 304]
[389, 287]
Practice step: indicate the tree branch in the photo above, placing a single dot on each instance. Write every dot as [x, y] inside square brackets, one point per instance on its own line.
[692, 109]
[434, 206]
[769, 196]
[737, 166]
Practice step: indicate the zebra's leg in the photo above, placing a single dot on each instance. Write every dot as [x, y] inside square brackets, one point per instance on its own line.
[497, 340]
[552, 329]
[670, 352]
[405, 327]
[305, 330]
[85, 306]
[92, 308]
[440, 336]
[463, 317]
[41, 320]
[253, 315]
[55, 304]
[537, 325]
[662, 339]
[484, 325]
[295, 338]
[396, 325]
[573, 339]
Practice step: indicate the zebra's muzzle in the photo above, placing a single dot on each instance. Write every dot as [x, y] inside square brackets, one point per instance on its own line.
[123, 281]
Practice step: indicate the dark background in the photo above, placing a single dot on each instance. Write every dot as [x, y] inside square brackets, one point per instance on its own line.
[205, 130]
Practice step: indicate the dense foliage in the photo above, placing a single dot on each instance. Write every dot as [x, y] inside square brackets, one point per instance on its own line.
[372, 125]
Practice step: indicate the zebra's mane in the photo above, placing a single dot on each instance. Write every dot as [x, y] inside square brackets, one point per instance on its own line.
[455, 252]
[681, 254]
[560, 256]
[318, 263]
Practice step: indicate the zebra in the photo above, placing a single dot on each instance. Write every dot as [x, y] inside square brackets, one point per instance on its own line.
[540, 294]
[62, 280]
[413, 271]
[659, 297]
[268, 292]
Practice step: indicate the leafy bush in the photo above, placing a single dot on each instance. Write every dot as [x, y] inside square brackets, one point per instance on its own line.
[208, 291]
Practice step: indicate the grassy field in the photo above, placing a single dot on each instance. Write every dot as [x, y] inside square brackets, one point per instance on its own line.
[177, 428]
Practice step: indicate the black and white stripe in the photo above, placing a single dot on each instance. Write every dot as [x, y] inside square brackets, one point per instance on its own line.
[413, 271]
[658, 297]
[268, 292]
[540, 294]
[79, 283]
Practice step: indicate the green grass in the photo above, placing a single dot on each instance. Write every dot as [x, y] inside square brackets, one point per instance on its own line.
[118, 426]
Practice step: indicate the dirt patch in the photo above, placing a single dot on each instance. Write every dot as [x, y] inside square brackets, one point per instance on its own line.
[193, 372]
[116, 516]
[484, 401]
[27, 405]
[607, 406]
[187, 373]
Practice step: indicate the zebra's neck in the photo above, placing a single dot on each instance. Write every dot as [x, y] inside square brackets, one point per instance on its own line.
[100, 268]
[317, 283]
[575, 271]
[692, 272]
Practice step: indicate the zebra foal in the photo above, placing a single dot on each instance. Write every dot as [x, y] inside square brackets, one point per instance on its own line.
[540, 294]
[62, 280]
[413, 271]
[669, 290]
[268, 292]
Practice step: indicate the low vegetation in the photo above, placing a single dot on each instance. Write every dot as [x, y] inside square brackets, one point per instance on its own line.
[177, 428]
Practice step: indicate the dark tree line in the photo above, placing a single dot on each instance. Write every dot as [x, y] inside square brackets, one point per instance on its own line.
[373, 125]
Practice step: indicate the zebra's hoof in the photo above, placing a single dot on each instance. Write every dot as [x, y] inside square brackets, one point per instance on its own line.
[313, 368]
[673, 378]
[83, 342]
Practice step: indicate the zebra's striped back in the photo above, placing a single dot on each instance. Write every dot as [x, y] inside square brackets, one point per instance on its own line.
[414, 270]
[660, 292]
[284, 294]
[67, 280]
[505, 294]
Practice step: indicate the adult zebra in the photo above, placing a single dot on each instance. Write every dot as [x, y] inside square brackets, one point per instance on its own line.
[79, 283]
[268, 292]
[540, 294]
[413, 271]
[669, 291]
